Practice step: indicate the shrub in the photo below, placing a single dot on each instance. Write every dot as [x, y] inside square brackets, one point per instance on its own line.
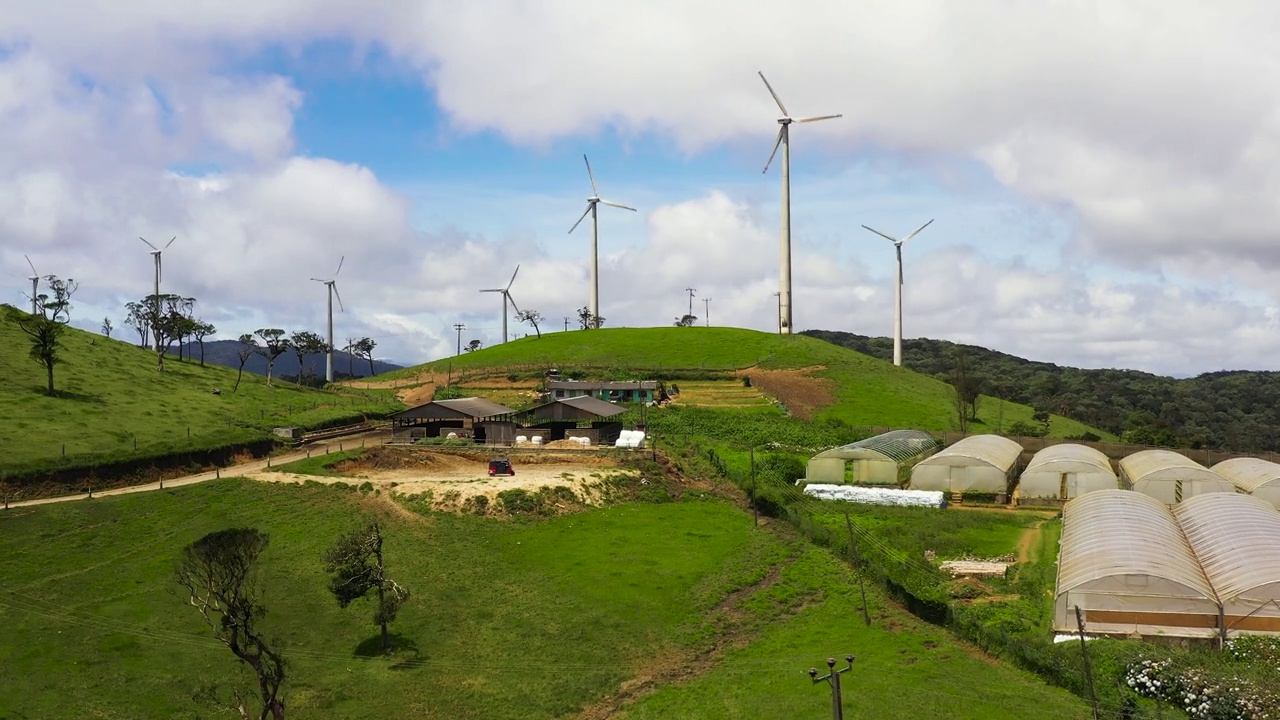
[476, 505]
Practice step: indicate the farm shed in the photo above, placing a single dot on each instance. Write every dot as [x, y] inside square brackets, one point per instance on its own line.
[563, 417]
[1066, 471]
[461, 415]
[1260, 478]
[978, 463]
[1169, 476]
[873, 461]
[1124, 561]
[1236, 538]
[581, 407]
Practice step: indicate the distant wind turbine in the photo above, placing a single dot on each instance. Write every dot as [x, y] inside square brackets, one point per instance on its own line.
[897, 297]
[784, 141]
[35, 286]
[155, 319]
[506, 296]
[331, 286]
[592, 202]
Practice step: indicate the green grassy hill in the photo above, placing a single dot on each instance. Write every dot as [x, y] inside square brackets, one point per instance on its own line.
[867, 391]
[109, 393]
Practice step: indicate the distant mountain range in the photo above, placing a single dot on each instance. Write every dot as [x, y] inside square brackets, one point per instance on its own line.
[227, 353]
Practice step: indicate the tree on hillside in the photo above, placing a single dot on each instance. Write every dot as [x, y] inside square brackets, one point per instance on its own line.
[248, 348]
[57, 307]
[200, 330]
[962, 386]
[533, 317]
[140, 319]
[45, 335]
[219, 574]
[274, 344]
[686, 321]
[304, 343]
[107, 327]
[472, 346]
[587, 321]
[355, 561]
[364, 348]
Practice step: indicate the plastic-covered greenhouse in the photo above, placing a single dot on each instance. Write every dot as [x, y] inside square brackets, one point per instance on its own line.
[1125, 562]
[1065, 471]
[1237, 541]
[1170, 477]
[1260, 478]
[978, 463]
[873, 461]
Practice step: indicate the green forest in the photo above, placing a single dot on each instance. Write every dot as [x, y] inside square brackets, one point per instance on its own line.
[1227, 410]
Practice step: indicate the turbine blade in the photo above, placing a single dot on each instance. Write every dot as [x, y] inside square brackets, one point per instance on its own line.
[890, 238]
[513, 303]
[337, 295]
[618, 205]
[917, 230]
[584, 215]
[166, 245]
[340, 261]
[816, 118]
[776, 145]
[594, 190]
[513, 277]
[33, 267]
[153, 247]
[492, 290]
[319, 280]
[776, 99]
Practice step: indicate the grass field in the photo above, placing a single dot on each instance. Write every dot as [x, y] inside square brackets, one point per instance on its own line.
[509, 619]
[865, 391]
[110, 394]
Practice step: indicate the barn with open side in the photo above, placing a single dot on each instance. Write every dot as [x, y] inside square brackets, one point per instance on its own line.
[1170, 477]
[1260, 478]
[1066, 471]
[579, 416]
[466, 417]
[978, 463]
[1125, 562]
[872, 461]
[1236, 538]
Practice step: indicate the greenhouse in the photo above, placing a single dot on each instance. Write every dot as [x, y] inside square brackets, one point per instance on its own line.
[1170, 477]
[1125, 562]
[1066, 471]
[1236, 538]
[873, 461]
[978, 463]
[1260, 478]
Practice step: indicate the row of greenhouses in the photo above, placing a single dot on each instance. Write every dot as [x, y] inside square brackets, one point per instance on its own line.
[1208, 567]
[989, 464]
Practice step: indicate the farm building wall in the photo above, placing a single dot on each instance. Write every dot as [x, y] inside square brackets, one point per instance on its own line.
[954, 477]
[1066, 471]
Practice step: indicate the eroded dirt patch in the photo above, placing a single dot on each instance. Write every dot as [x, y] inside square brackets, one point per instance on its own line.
[801, 392]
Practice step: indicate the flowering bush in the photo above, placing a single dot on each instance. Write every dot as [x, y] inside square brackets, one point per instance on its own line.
[1261, 650]
[1202, 695]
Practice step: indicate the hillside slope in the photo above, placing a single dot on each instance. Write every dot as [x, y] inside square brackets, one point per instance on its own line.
[109, 394]
[227, 354]
[863, 390]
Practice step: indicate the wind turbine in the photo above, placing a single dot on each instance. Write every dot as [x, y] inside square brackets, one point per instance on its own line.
[592, 202]
[506, 295]
[784, 140]
[35, 286]
[155, 254]
[332, 289]
[897, 297]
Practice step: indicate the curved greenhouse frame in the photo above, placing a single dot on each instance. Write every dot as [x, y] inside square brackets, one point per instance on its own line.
[872, 461]
[978, 463]
[1260, 478]
[1066, 471]
[1170, 477]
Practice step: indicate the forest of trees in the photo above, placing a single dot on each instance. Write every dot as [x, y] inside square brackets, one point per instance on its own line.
[1228, 410]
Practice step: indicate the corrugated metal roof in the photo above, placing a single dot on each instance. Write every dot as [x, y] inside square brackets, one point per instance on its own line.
[1072, 454]
[602, 384]
[1249, 473]
[475, 407]
[999, 452]
[1237, 540]
[1121, 532]
[896, 445]
[595, 406]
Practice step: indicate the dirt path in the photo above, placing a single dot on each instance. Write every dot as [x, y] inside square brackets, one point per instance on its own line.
[243, 469]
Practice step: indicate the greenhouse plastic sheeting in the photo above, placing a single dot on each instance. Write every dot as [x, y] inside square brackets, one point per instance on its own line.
[877, 496]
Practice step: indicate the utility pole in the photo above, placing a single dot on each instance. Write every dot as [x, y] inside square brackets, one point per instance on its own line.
[833, 679]
[755, 514]
[779, 296]
[459, 327]
[690, 291]
[706, 305]
[1088, 669]
[853, 545]
[566, 324]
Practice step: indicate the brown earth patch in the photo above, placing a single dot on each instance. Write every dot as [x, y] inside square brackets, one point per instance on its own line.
[797, 389]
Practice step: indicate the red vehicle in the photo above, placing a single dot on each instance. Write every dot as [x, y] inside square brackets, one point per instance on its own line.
[500, 466]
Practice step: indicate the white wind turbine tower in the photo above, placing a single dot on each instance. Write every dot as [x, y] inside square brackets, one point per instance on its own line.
[897, 297]
[331, 286]
[35, 286]
[506, 296]
[155, 254]
[784, 140]
[592, 202]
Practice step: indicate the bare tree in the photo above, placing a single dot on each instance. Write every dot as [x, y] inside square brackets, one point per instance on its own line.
[58, 306]
[107, 327]
[141, 319]
[274, 344]
[364, 348]
[533, 317]
[966, 388]
[218, 572]
[356, 563]
[45, 335]
[248, 348]
[587, 321]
